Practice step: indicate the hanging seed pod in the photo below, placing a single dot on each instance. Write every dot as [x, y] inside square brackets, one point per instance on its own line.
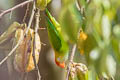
[78, 71]
[23, 61]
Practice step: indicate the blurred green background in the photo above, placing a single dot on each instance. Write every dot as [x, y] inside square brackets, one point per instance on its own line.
[98, 19]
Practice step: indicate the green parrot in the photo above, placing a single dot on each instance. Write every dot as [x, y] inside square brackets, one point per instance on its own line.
[41, 4]
[57, 41]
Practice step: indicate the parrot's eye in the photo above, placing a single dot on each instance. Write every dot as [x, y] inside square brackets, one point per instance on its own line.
[58, 59]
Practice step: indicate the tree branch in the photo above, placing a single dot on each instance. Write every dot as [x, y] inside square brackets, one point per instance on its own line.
[15, 7]
[31, 17]
[26, 13]
[70, 60]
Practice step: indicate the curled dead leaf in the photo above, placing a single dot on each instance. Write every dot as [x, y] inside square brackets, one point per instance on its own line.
[23, 61]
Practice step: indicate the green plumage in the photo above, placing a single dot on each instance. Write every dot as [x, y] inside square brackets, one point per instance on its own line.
[57, 41]
[54, 36]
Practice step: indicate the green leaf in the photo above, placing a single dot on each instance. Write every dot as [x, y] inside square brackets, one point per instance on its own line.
[67, 2]
[116, 31]
[71, 21]
[106, 28]
[115, 46]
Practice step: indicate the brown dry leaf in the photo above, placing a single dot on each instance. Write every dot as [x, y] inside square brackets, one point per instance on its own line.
[23, 61]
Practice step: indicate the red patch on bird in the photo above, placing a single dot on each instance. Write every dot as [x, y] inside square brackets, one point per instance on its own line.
[62, 65]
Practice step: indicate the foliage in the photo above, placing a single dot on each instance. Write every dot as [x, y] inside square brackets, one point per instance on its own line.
[97, 20]
[92, 25]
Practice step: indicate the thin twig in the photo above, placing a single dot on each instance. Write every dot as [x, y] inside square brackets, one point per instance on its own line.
[1, 62]
[15, 7]
[78, 5]
[37, 16]
[81, 8]
[26, 13]
[70, 60]
[31, 17]
[21, 39]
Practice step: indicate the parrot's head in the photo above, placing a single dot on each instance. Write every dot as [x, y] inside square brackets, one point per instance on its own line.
[60, 59]
[60, 64]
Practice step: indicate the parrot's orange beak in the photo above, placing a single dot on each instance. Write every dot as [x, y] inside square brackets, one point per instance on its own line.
[62, 65]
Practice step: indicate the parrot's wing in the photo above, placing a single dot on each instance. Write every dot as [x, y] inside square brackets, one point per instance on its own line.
[52, 19]
[53, 35]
